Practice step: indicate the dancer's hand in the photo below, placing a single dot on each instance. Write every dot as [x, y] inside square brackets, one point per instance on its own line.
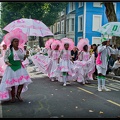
[9, 64]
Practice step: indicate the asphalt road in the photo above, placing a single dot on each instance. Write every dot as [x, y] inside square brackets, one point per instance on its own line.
[46, 99]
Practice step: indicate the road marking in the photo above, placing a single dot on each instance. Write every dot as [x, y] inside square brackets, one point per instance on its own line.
[94, 86]
[0, 110]
[112, 88]
[113, 80]
[113, 102]
[85, 90]
[110, 101]
[108, 86]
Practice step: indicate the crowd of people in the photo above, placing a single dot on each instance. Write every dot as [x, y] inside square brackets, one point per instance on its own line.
[60, 60]
[81, 65]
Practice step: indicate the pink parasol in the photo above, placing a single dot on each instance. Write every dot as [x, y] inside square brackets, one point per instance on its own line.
[31, 27]
[17, 33]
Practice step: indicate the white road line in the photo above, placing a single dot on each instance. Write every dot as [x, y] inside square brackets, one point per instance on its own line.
[110, 101]
[0, 110]
[114, 86]
[113, 80]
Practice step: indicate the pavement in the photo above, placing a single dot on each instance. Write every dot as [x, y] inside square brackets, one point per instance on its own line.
[46, 99]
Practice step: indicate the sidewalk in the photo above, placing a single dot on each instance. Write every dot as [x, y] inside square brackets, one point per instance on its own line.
[112, 76]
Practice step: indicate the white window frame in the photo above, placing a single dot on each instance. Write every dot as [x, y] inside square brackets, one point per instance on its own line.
[62, 30]
[68, 27]
[58, 28]
[80, 5]
[97, 6]
[70, 9]
[79, 23]
[94, 20]
[115, 6]
[96, 37]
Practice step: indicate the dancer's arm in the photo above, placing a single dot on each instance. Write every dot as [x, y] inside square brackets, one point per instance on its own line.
[113, 51]
[60, 56]
[6, 60]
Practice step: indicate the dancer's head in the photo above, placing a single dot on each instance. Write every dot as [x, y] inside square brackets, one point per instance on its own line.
[75, 48]
[85, 48]
[104, 41]
[66, 46]
[14, 43]
[57, 47]
[118, 58]
[4, 46]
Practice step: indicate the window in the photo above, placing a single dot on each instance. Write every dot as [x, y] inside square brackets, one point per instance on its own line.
[72, 6]
[97, 21]
[62, 27]
[96, 40]
[97, 4]
[72, 25]
[114, 6]
[80, 4]
[58, 27]
[80, 23]
[67, 25]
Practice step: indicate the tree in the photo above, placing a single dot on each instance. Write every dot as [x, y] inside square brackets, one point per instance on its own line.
[111, 16]
[47, 12]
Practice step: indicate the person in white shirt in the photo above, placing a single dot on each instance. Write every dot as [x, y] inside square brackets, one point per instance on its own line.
[104, 52]
[116, 67]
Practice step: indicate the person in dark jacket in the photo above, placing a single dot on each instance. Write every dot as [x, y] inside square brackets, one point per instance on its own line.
[74, 53]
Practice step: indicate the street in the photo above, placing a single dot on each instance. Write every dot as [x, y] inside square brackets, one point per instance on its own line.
[46, 99]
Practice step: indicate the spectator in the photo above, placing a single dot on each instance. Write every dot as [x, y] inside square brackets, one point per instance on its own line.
[74, 53]
[95, 53]
[116, 67]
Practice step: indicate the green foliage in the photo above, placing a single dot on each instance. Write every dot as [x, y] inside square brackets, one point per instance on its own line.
[47, 12]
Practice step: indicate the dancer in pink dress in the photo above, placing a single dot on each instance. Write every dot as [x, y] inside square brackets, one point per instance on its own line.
[41, 61]
[65, 61]
[15, 79]
[2, 63]
[54, 57]
[85, 64]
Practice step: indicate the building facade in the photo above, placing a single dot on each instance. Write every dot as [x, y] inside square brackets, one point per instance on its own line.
[83, 19]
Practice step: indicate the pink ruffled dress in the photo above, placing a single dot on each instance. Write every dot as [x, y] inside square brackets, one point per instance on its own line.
[54, 65]
[85, 66]
[66, 65]
[2, 63]
[43, 62]
[13, 78]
